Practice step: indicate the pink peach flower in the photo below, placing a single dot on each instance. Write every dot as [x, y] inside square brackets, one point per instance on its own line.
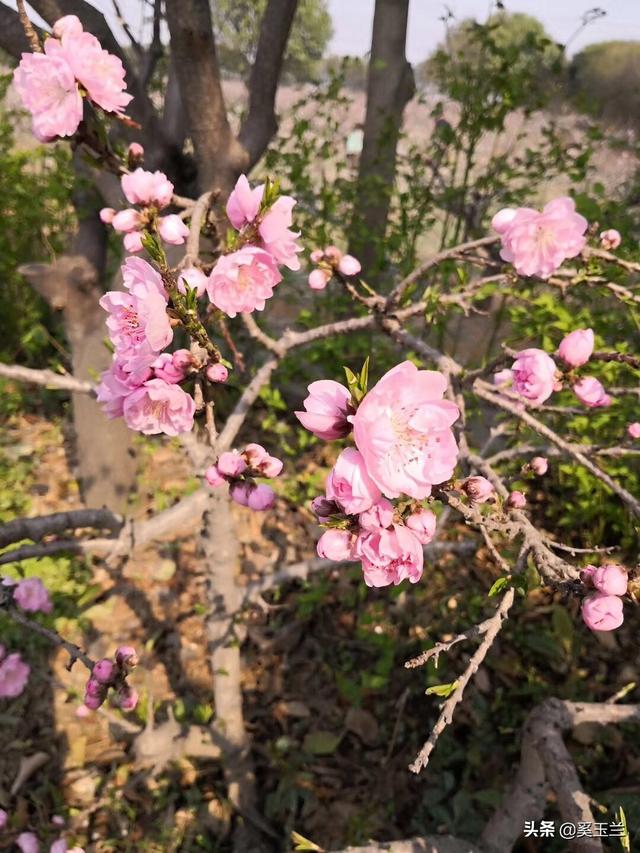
[349, 484]
[14, 674]
[503, 377]
[68, 25]
[609, 579]
[254, 454]
[576, 348]
[27, 842]
[403, 430]
[116, 384]
[244, 203]
[277, 237]
[377, 516]
[348, 265]
[270, 467]
[328, 407]
[139, 276]
[633, 430]
[610, 239]
[534, 375]
[49, 91]
[423, 525]
[390, 556]
[590, 392]
[319, 279]
[138, 324]
[478, 489]
[243, 281]
[194, 278]
[231, 464]
[31, 595]
[158, 407]
[602, 612]
[147, 188]
[217, 373]
[537, 243]
[338, 545]
[172, 366]
[172, 229]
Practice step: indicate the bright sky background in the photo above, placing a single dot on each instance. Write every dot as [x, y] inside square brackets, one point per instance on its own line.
[353, 19]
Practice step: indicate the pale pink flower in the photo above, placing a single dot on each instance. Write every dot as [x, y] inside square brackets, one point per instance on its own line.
[147, 188]
[478, 489]
[602, 612]
[172, 366]
[139, 276]
[328, 407]
[318, 279]
[390, 556]
[591, 393]
[534, 375]
[217, 373]
[378, 515]
[68, 25]
[127, 220]
[194, 278]
[537, 243]
[243, 281]
[609, 579]
[403, 430]
[172, 229]
[610, 239]
[270, 467]
[276, 235]
[231, 464]
[116, 384]
[633, 430]
[244, 203]
[539, 465]
[27, 842]
[107, 214]
[133, 242]
[158, 407]
[14, 674]
[348, 265]
[423, 525]
[576, 348]
[503, 377]
[260, 497]
[49, 91]
[516, 500]
[338, 545]
[31, 595]
[349, 484]
[138, 326]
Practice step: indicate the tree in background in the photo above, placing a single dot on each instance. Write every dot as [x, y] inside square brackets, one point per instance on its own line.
[604, 80]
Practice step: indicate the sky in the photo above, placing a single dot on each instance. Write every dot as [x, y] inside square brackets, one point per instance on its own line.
[353, 20]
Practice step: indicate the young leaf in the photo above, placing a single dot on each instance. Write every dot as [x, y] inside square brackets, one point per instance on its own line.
[302, 843]
[499, 585]
[443, 690]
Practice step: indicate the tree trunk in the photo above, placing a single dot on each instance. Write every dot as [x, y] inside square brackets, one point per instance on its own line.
[390, 85]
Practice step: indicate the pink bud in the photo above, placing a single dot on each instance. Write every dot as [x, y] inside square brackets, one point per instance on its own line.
[82, 712]
[231, 464]
[3, 818]
[217, 373]
[254, 454]
[378, 516]
[590, 392]
[516, 500]
[478, 489]
[27, 842]
[107, 214]
[214, 477]
[539, 465]
[172, 367]
[316, 256]
[57, 820]
[270, 467]
[59, 846]
[239, 493]
[610, 579]
[318, 279]
[610, 239]
[104, 671]
[126, 657]
[126, 698]
[323, 508]
[602, 612]
[135, 152]
[576, 348]
[333, 254]
[634, 430]
[127, 220]
[423, 525]
[31, 595]
[503, 377]
[327, 409]
[348, 265]
[261, 497]
[172, 229]
[93, 702]
[93, 687]
[133, 242]
[68, 25]
[336, 545]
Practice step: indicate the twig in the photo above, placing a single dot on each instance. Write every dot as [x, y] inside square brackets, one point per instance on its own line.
[75, 652]
[46, 378]
[28, 28]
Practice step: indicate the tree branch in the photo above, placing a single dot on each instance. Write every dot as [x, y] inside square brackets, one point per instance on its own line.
[46, 378]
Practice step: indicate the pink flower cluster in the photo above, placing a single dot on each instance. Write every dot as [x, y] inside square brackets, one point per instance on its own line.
[52, 84]
[538, 243]
[240, 471]
[404, 445]
[142, 383]
[151, 192]
[575, 350]
[30, 595]
[602, 610]
[27, 842]
[328, 261]
[108, 673]
[14, 674]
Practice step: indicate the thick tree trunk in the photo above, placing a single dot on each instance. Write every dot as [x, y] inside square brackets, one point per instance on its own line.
[390, 85]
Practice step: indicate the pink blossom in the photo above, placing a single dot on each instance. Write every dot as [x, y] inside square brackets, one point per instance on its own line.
[172, 229]
[328, 408]
[172, 366]
[14, 674]
[104, 671]
[609, 579]
[478, 489]
[83, 711]
[68, 25]
[316, 256]
[127, 220]
[217, 373]
[537, 243]
[333, 254]
[534, 375]
[338, 545]
[602, 612]
[319, 279]
[147, 188]
[239, 492]
[27, 842]
[133, 242]
[503, 377]
[390, 556]
[126, 698]
[126, 657]
[633, 430]
[49, 91]
[214, 477]
[277, 237]
[516, 500]
[270, 467]
[244, 203]
[139, 276]
[348, 265]
[539, 465]
[158, 407]
[116, 384]
[93, 687]
[423, 525]
[349, 484]
[610, 239]
[135, 151]
[107, 214]
[195, 278]
[59, 846]
[94, 702]
[590, 392]
[31, 595]
[231, 464]
[243, 281]
[378, 515]
[254, 454]
[403, 430]
[260, 497]
[576, 348]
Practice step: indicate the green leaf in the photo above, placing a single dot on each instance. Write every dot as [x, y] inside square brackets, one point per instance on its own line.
[302, 843]
[625, 841]
[321, 743]
[499, 585]
[443, 690]
[154, 248]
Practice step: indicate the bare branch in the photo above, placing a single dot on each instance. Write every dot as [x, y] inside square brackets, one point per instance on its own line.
[75, 652]
[46, 378]
[38, 527]
[28, 28]
[13, 38]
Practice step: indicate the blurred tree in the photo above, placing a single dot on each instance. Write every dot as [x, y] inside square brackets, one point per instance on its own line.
[237, 27]
[604, 80]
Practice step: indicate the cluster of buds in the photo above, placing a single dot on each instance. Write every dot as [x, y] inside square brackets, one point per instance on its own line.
[602, 610]
[112, 674]
[240, 470]
[328, 261]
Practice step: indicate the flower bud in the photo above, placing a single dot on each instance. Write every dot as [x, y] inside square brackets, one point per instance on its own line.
[27, 841]
[135, 155]
[127, 220]
[336, 545]
[261, 497]
[254, 454]
[478, 489]
[610, 579]
[231, 464]
[239, 492]
[104, 671]
[591, 393]
[316, 256]
[348, 265]
[516, 500]
[423, 525]
[576, 348]
[333, 254]
[106, 215]
[324, 508]
[126, 657]
[602, 612]
[217, 373]
[94, 702]
[610, 239]
[126, 698]
[3, 818]
[270, 467]
[172, 229]
[318, 279]
[503, 377]
[378, 516]
[633, 430]
[133, 242]
[214, 477]
[539, 465]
